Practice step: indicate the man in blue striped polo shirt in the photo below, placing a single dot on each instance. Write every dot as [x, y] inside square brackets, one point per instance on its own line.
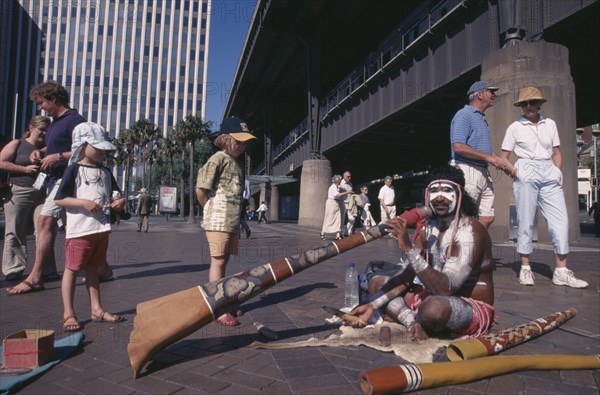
[472, 148]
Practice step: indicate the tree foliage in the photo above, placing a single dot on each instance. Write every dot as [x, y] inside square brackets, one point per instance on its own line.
[164, 160]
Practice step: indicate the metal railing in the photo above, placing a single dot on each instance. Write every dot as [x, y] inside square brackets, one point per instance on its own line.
[408, 34]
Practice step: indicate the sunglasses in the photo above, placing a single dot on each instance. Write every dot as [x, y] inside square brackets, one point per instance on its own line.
[532, 103]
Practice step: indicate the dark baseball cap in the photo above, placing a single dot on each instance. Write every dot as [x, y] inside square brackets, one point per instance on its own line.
[481, 85]
[236, 128]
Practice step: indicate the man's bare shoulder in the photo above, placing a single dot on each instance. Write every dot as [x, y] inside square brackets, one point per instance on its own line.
[480, 233]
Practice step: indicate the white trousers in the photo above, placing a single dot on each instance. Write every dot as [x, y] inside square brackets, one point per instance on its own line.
[539, 183]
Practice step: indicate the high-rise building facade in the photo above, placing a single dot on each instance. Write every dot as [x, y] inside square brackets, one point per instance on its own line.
[120, 60]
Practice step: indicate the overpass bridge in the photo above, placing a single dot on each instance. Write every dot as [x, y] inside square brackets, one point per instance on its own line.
[371, 87]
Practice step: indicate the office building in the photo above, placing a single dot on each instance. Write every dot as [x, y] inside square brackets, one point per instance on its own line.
[120, 60]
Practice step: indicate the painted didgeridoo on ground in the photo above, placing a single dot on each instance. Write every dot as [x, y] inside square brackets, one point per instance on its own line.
[166, 320]
[495, 343]
[411, 377]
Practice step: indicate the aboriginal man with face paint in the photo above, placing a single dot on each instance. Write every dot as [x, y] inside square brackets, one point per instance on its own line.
[451, 256]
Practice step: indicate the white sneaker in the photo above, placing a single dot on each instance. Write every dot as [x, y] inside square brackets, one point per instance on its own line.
[568, 278]
[526, 276]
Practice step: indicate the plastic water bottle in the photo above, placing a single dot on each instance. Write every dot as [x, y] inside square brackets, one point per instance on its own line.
[351, 289]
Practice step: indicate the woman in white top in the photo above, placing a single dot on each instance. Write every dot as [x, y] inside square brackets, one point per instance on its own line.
[332, 222]
[538, 181]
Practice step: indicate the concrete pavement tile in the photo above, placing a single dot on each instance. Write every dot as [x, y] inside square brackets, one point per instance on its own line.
[235, 389]
[537, 385]
[435, 391]
[550, 375]
[119, 375]
[81, 362]
[271, 371]
[252, 364]
[583, 378]
[459, 391]
[480, 386]
[166, 371]
[56, 373]
[217, 365]
[92, 387]
[117, 356]
[44, 387]
[166, 358]
[277, 387]
[150, 385]
[329, 381]
[337, 390]
[308, 371]
[506, 384]
[304, 361]
[200, 382]
[292, 353]
[244, 379]
[350, 374]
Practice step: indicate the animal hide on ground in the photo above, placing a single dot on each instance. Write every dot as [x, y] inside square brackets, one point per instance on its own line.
[401, 345]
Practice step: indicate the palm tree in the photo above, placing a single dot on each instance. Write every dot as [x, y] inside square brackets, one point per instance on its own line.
[143, 133]
[188, 131]
[168, 149]
[123, 157]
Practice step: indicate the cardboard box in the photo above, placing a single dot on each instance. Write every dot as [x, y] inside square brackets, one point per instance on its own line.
[28, 348]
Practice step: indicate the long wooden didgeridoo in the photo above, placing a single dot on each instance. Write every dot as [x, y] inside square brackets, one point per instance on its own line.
[163, 321]
[495, 343]
[412, 377]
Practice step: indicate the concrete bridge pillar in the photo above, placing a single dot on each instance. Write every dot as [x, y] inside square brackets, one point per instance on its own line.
[314, 183]
[274, 207]
[545, 66]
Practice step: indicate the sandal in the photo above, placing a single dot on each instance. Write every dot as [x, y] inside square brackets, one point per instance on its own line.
[228, 320]
[104, 318]
[322, 236]
[70, 327]
[25, 287]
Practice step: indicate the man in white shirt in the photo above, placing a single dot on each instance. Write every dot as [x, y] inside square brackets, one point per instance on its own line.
[262, 213]
[386, 200]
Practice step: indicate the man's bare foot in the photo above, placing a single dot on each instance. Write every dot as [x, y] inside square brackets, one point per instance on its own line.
[417, 333]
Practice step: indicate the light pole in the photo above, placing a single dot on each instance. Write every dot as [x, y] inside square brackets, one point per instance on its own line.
[595, 135]
[580, 144]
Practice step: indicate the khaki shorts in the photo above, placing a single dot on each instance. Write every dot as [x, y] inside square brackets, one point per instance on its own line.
[51, 209]
[479, 185]
[221, 243]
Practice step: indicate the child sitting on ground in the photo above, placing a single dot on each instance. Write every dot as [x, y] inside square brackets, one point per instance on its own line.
[85, 192]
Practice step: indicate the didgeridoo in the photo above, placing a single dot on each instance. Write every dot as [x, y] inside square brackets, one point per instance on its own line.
[495, 343]
[413, 377]
[168, 319]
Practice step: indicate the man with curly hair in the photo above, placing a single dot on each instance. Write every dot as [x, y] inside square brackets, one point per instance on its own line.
[451, 257]
[52, 98]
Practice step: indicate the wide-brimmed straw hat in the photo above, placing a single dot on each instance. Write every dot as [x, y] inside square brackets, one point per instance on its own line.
[529, 93]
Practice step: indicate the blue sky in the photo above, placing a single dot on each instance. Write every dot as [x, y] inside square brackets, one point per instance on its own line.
[228, 27]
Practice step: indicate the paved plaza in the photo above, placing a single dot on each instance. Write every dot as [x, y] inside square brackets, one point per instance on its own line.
[173, 256]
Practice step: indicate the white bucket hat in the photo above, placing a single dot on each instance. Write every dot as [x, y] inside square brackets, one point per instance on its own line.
[91, 133]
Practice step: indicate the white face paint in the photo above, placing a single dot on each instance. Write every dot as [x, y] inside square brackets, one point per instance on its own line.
[445, 190]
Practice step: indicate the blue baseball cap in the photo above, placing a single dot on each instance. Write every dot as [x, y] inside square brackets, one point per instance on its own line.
[481, 85]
